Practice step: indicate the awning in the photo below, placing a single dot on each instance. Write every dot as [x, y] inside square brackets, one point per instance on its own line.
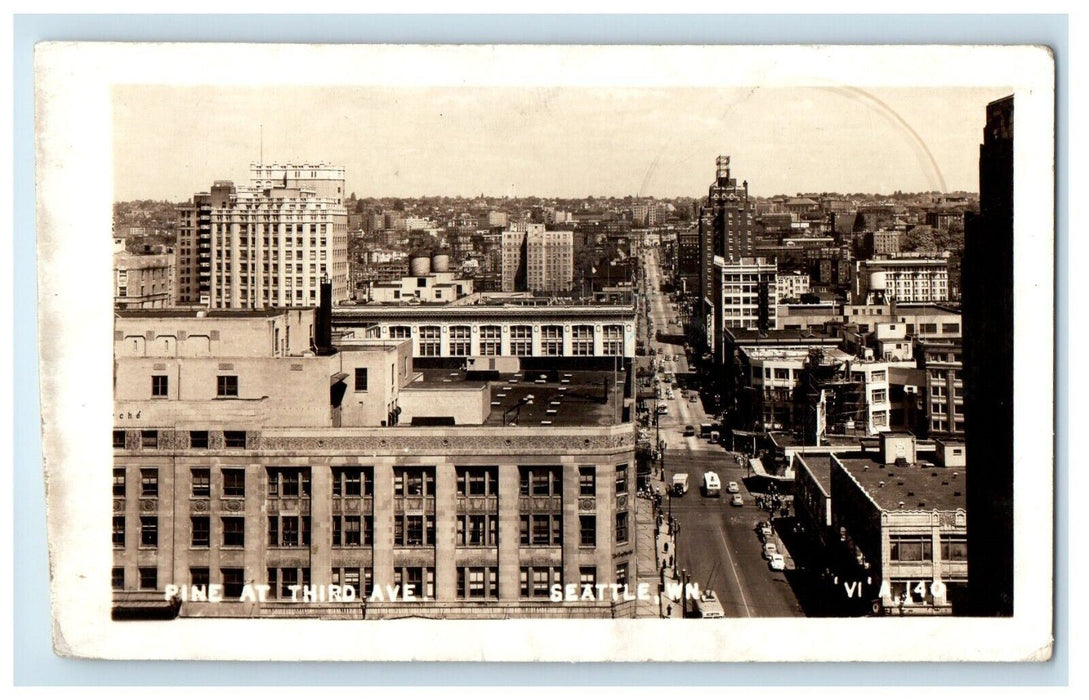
[146, 610]
[338, 377]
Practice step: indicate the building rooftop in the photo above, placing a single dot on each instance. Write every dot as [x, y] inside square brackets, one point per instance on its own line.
[539, 398]
[203, 312]
[918, 486]
[747, 336]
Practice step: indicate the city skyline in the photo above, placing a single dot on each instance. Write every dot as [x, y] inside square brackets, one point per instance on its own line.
[551, 142]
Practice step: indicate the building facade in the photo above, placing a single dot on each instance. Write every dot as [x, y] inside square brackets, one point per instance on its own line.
[906, 280]
[255, 477]
[550, 265]
[249, 248]
[144, 281]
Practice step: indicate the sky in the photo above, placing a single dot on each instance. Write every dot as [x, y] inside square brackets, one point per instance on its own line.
[173, 141]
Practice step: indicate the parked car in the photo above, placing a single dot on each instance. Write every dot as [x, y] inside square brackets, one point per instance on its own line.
[737, 500]
[776, 562]
[732, 487]
[680, 484]
[695, 398]
[769, 550]
[765, 529]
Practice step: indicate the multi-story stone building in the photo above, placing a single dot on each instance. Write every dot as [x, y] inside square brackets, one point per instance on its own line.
[260, 471]
[906, 280]
[257, 248]
[889, 525]
[143, 281]
[537, 260]
[944, 367]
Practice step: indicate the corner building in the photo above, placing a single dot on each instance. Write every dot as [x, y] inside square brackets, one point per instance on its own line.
[243, 458]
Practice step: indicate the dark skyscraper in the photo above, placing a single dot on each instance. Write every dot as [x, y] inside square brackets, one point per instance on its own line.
[988, 365]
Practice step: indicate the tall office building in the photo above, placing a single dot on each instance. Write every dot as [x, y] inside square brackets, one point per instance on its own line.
[987, 277]
[537, 260]
[726, 230]
[266, 245]
[550, 262]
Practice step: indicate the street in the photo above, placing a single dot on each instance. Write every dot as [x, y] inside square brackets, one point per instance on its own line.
[717, 543]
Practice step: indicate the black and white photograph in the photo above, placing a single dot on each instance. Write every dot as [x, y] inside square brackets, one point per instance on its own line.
[547, 353]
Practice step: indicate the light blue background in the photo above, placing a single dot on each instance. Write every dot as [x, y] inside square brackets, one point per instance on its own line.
[34, 662]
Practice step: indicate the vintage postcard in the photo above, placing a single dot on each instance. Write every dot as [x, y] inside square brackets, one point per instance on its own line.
[685, 353]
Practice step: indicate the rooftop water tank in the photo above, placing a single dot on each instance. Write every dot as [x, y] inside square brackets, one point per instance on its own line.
[419, 265]
[440, 262]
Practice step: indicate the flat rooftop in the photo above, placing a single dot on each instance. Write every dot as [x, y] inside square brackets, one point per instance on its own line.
[751, 336]
[918, 486]
[202, 312]
[559, 398]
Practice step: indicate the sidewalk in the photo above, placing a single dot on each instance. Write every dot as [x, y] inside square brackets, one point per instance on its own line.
[655, 548]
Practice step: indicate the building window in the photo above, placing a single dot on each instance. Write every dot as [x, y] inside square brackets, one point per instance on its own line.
[117, 578]
[361, 379]
[201, 479]
[158, 385]
[417, 579]
[477, 530]
[354, 576]
[234, 532]
[490, 340]
[414, 530]
[880, 396]
[149, 578]
[149, 531]
[542, 529]
[198, 439]
[478, 582]
[910, 548]
[459, 341]
[621, 479]
[119, 439]
[202, 531]
[536, 581]
[587, 530]
[621, 527]
[954, 548]
[119, 482]
[227, 385]
[588, 481]
[149, 483]
[233, 582]
[200, 577]
[353, 530]
[149, 439]
[414, 481]
[289, 531]
[950, 328]
[622, 574]
[234, 439]
[540, 481]
[352, 482]
[582, 340]
[289, 482]
[552, 340]
[478, 481]
[234, 483]
[430, 341]
[613, 340]
[587, 577]
[118, 531]
[521, 341]
[400, 332]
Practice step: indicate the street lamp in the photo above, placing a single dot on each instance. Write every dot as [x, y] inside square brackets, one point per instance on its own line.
[661, 457]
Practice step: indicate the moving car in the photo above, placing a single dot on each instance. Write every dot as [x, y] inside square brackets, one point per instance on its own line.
[694, 399]
[732, 487]
[770, 550]
[680, 484]
[708, 605]
[689, 431]
[777, 563]
[663, 409]
[737, 500]
[712, 487]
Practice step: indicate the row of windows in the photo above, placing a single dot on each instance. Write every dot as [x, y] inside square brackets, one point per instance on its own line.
[915, 548]
[359, 481]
